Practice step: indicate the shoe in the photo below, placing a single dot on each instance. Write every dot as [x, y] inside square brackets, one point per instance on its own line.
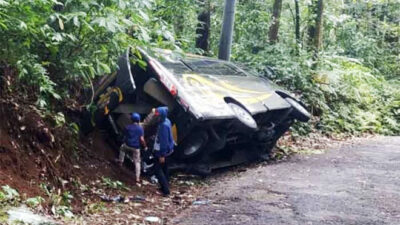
[164, 194]
[119, 163]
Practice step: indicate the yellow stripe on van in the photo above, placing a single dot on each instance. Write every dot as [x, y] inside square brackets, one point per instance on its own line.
[225, 87]
[175, 133]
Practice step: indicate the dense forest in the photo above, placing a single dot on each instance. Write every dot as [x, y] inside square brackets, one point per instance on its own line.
[341, 57]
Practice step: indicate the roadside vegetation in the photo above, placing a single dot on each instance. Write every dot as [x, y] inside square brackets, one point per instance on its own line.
[348, 72]
[341, 57]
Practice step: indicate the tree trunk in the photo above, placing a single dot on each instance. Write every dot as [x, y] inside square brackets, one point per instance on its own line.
[179, 24]
[319, 25]
[297, 21]
[274, 28]
[315, 30]
[203, 28]
[315, 27]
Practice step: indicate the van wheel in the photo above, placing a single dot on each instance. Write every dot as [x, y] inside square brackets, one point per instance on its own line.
[194, 144]
[200, 169]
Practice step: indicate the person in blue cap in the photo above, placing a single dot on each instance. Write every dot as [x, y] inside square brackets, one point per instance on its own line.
[163, 147]
[133, 139]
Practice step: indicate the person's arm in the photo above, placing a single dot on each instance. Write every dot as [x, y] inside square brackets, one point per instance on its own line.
[163, 145]
[124, 134]
[143, 142]
[163, 138]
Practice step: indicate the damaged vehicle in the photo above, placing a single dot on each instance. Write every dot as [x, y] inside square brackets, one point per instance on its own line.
[221, 114]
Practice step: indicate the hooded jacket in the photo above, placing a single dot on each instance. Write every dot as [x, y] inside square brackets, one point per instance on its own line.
[164, 134]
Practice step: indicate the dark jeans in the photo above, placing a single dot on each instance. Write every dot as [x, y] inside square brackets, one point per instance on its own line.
[161, 172]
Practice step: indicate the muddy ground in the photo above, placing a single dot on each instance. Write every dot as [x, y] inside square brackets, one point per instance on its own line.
[355, 183]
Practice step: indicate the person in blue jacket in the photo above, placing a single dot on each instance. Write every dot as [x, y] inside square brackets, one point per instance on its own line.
[163, 147]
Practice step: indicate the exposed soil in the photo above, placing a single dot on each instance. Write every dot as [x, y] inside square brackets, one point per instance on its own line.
[12, 168]
[33, 152]
[356, 183]
[19, 157]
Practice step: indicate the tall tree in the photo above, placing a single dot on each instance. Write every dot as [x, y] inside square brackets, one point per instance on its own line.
[297, 21]
[274, 28]
[203, 27]
[315, 28]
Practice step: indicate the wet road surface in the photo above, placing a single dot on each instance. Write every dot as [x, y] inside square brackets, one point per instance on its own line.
[356, 183]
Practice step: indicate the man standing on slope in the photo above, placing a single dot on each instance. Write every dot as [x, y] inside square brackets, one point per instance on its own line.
[133, 138]
[163, 147]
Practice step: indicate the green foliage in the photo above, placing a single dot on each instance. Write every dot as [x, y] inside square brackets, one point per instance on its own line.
[56, 44]
[178, 21]
[34, 202]
[369, 31]
[360, 100]
[354, 88]
[60, 201]
[109, 183]
[8, 193]
[3, 217]
[59, 119]
[74, 128]
[62, 210]
[95, 208]
[9, 196]
[343, 94]
[252, 20]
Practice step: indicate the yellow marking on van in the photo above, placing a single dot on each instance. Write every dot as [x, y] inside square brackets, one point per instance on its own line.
[175, 133]
[225, 87]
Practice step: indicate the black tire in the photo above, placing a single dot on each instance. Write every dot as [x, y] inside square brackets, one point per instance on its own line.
[264, 150]
[299, 112]
[193, 145]
[202, 170]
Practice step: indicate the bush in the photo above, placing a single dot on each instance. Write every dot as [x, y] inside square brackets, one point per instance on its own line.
[55, 45]
[343, 94]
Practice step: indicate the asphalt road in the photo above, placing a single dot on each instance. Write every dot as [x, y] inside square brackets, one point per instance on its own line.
[356, 183]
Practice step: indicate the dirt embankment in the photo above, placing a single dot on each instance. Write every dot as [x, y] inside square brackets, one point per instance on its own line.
[25, 148]
[34, 153]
